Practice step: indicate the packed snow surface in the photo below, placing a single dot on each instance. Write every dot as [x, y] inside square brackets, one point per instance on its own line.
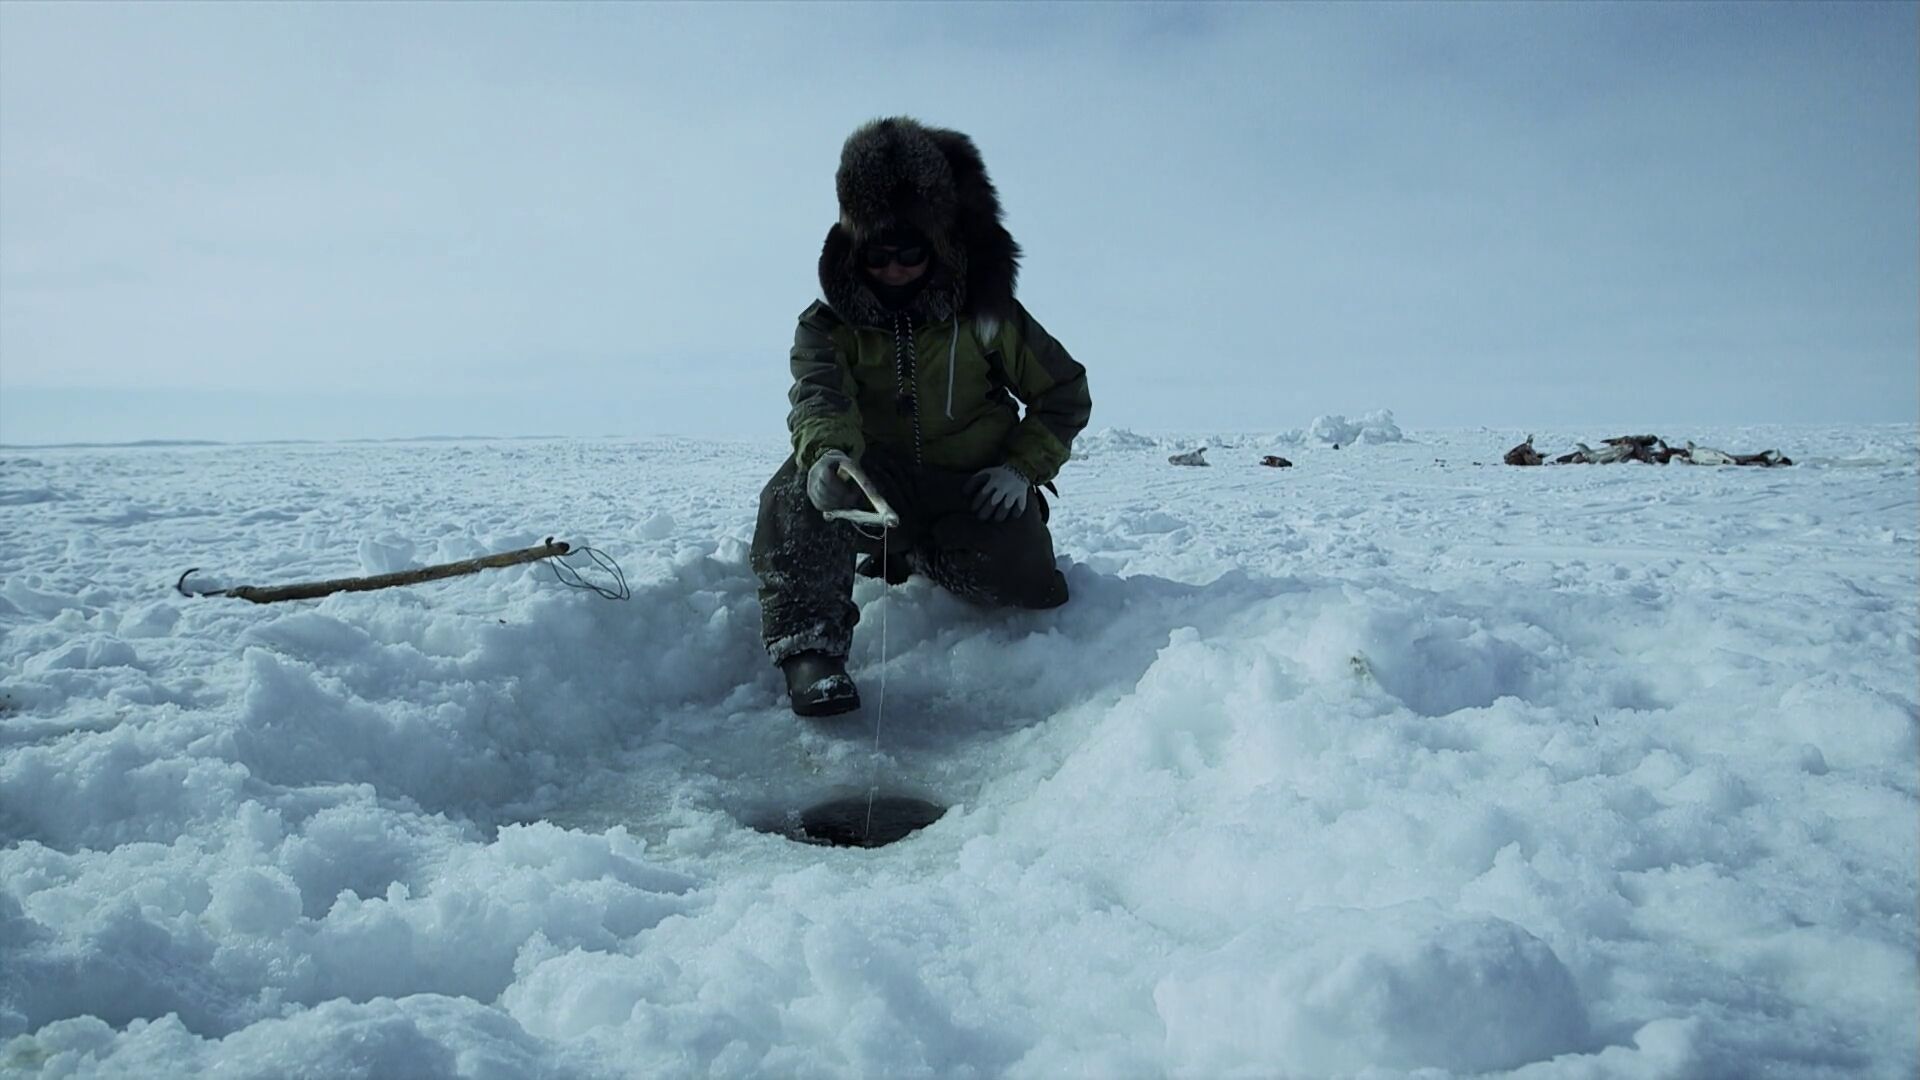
[1393, 763]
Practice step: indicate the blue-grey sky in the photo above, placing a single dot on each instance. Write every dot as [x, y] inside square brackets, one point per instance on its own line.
[236, 221]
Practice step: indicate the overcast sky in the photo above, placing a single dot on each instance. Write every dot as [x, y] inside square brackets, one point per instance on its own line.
[237, 221]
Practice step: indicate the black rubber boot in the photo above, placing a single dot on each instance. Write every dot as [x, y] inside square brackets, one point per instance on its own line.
[818, 684]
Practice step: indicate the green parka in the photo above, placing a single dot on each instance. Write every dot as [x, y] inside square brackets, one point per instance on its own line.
[969, 376]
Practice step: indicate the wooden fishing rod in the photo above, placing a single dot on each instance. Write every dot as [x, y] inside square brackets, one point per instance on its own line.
[314, 589]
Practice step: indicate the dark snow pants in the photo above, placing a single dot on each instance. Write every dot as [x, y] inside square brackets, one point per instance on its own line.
[806, 563]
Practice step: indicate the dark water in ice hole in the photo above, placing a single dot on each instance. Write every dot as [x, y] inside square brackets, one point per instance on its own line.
[846, 822]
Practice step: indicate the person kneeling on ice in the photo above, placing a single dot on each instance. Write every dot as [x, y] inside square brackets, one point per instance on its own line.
[908, 381]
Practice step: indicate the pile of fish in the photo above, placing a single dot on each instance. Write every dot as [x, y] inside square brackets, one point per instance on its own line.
[1651, 449]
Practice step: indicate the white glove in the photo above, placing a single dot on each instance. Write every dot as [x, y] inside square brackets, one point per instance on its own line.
[999, 493]
[827, 489]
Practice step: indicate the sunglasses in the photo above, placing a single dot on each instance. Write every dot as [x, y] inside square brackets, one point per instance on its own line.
[910, 256]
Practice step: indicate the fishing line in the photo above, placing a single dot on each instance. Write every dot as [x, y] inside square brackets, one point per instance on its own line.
[880, 708]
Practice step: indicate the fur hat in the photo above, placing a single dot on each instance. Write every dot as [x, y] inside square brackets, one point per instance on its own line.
[896, 172]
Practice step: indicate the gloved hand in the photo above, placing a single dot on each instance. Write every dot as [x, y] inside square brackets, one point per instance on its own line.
[999, 493]
[827, 489]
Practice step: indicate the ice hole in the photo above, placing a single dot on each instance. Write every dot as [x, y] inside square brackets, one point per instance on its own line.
[854, 822]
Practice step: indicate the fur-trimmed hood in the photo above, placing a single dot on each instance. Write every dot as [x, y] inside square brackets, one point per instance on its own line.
[899, 172]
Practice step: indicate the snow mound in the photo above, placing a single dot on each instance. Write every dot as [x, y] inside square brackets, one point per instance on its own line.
[1338, 991]
[1374, 427]
[1111, 441]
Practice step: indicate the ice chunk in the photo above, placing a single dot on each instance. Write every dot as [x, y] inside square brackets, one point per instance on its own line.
[1374, 427]
[386, 554]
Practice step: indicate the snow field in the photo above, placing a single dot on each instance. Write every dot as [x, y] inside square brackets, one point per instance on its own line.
[1376, 766]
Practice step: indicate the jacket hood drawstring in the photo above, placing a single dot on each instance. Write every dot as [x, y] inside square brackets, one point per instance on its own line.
[953, 347]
